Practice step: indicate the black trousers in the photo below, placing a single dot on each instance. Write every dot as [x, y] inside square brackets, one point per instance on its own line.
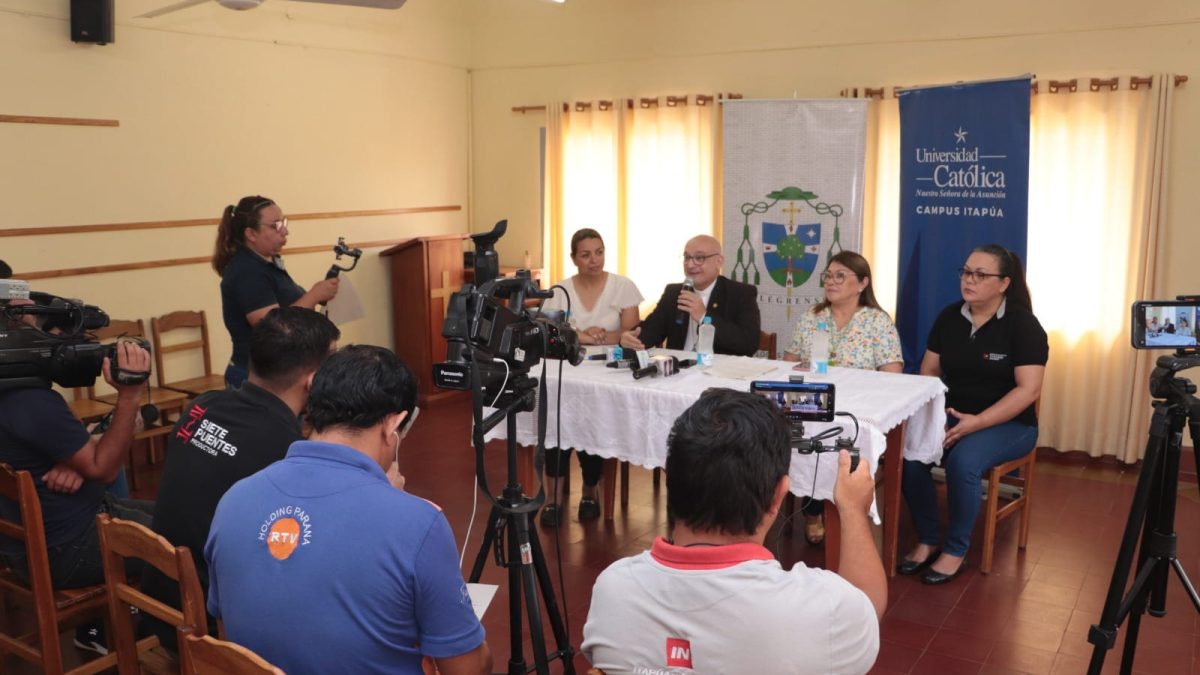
[558, 463]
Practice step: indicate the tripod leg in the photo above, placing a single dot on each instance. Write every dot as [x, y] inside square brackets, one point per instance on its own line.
[516, 660]
[1104, 634]
[1187, 583]
[528, 585]
[1161, 524]
[495, 518]
[556, 621]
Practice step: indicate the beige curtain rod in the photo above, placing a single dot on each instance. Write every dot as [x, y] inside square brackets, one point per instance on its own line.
[1052, 86]
[631, 102]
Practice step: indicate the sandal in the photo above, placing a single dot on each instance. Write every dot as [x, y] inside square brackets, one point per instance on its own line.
[814, 530]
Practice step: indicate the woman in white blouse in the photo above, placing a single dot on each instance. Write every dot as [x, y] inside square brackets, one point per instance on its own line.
[602, 306]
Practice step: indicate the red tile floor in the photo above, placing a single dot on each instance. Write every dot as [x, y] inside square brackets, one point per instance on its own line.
[1030, 615]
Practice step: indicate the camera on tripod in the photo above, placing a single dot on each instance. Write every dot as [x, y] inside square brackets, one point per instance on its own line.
[493, 341]
[59, 349]
[1150, 527]
[492, 334]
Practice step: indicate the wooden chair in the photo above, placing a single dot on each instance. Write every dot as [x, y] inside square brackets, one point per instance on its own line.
[168, 402]
[206, 655]
[53, 610]
[1020, 501]
[767, 343]
[177, 321]
[121, 539]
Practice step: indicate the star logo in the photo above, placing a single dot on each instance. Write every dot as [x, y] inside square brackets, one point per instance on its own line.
[960, 136]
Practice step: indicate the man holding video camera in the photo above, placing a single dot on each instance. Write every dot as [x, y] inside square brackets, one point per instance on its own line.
[674, 605]
[71, 469]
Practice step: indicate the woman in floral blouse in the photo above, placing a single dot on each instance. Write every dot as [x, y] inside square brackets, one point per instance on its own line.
[861, 335]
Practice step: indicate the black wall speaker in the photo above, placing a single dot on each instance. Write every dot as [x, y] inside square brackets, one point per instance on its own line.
[92, 21]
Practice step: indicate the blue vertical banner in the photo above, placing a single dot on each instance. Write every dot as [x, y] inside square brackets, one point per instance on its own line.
[964, 182]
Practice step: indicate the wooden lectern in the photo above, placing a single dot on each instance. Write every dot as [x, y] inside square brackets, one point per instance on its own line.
[426, 271]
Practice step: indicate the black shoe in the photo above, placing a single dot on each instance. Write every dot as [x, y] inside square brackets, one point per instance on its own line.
[550, 515]
[910, 567]
[91, 637]
[589, 509]
[935, 578]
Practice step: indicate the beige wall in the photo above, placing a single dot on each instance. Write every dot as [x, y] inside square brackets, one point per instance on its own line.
[330, 109]
[322, 109]
[525, 52]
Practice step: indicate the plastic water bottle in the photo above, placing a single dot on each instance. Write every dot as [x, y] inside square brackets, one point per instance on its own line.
[704, 342]
[820, 349]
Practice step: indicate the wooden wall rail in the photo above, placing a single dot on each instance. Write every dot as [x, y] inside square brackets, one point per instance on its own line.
[66, 121]
[175, 262]
[195, 222]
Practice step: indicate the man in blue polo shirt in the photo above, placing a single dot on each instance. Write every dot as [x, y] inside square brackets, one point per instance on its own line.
[321, 562]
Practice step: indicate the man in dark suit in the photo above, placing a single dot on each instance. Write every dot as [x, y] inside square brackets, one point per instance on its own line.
[733, 307]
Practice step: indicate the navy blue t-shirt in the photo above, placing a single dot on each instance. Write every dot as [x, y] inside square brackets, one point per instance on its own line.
[37, 431]
[980, 369]
[250, 283]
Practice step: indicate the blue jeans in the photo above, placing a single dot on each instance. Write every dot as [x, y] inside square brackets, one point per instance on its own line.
[965, 463]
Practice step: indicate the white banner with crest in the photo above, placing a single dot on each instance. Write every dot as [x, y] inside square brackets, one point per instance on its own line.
[793, 198]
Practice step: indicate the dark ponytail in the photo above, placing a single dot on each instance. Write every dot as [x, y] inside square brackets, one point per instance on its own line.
[1011, 267]
[231, 233]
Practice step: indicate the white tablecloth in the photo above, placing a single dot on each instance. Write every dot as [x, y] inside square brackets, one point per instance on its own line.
[608, 413]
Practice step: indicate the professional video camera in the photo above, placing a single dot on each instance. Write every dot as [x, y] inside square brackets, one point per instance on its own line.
[59, 349]
[490, 331]
[493, 342]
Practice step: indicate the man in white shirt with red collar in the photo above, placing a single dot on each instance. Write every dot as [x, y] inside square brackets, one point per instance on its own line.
[712, 599]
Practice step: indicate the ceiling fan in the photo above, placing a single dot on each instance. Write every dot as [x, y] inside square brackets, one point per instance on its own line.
[251, 4]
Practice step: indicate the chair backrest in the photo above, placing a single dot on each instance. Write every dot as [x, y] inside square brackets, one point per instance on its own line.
[18, 487]
[121, 328]
[206, 655]
[121, 539]
[175, 321]
[767, 343]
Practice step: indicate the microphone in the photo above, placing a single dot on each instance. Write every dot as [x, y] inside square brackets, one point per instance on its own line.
[681, 319]
[648, 371]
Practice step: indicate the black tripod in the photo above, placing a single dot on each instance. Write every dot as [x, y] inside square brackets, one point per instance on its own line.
[516, 544]
[1153, 515]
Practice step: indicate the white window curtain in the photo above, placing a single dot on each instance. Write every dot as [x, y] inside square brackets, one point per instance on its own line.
[1097, 190]
[643, 177]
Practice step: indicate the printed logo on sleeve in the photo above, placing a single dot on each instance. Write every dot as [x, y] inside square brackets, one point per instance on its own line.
[679, 653]
[287, 528]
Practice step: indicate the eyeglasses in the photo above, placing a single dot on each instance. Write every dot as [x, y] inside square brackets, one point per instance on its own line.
[698, 259]
[835, 277]
[280, 225]
[976, 275]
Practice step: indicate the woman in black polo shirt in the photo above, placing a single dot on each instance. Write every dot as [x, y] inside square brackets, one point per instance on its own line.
[253, 279]
[991, 352]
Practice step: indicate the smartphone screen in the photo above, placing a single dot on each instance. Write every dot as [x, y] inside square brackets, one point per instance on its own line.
[1165, 324]
[802, 401]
